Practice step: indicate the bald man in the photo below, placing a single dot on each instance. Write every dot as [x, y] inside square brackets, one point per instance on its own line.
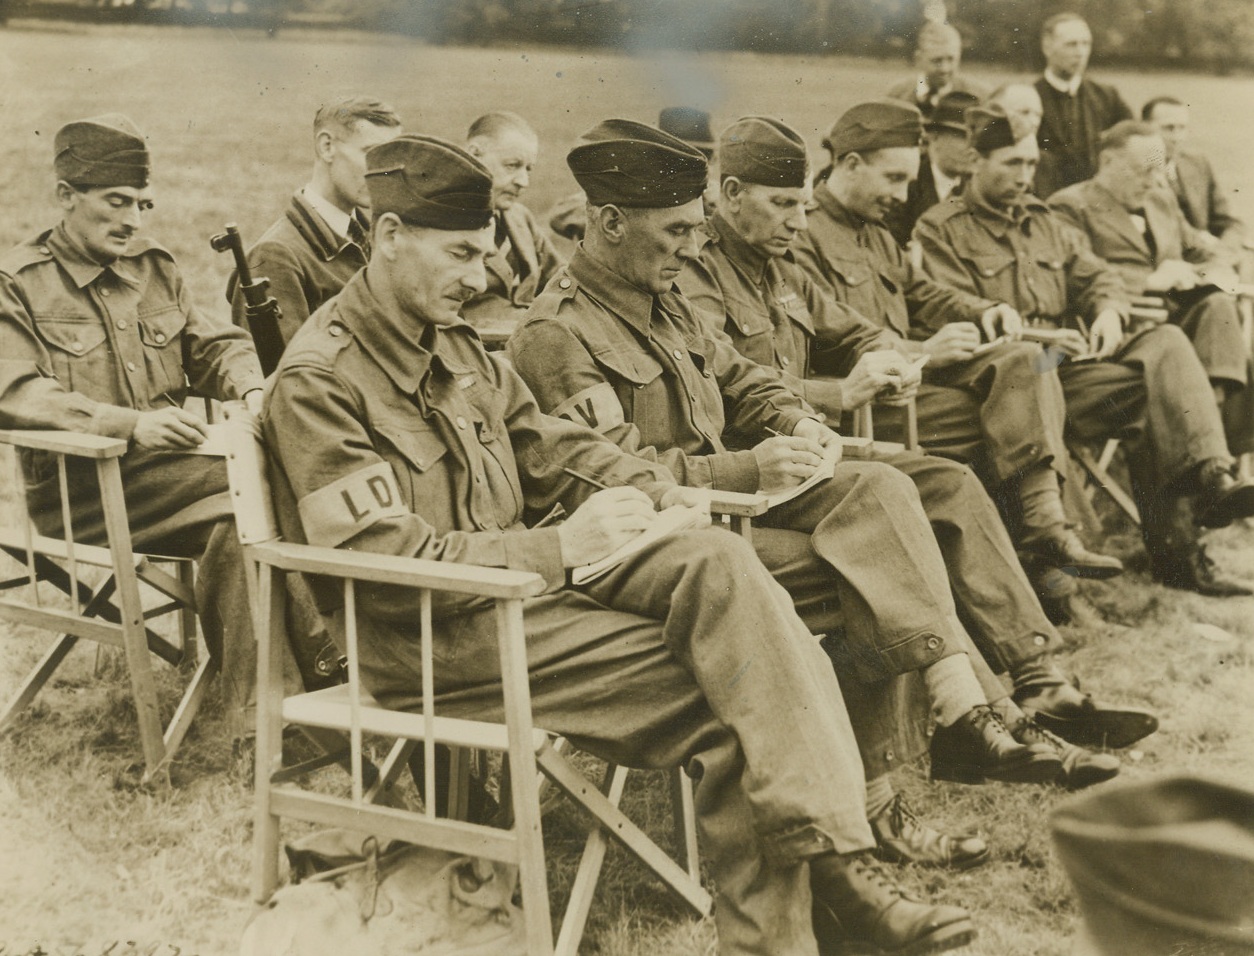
[937, 57]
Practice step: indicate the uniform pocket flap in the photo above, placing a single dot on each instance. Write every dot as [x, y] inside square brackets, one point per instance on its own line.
[77, 335]
[851, 271]
[421, 447]
[160, 328]
[990, 265]
[637, 367]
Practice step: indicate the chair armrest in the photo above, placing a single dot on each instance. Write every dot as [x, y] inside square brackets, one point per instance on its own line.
[393, 569]
[78, 444]
[737, 503]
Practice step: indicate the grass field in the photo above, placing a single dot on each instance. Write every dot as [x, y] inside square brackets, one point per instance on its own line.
[86, 858]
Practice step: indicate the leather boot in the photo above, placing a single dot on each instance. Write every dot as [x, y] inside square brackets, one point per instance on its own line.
[1222, 498]
[1080, 768]
[1193, 570]
[901, 837]
[1063, 709]
[980, 747]
[1062, 548]
[858, 908]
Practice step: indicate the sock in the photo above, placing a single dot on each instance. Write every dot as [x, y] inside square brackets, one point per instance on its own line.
[879, 794]
[1041, 502]
[952, 689]
[1008, 710]
[1040, 672]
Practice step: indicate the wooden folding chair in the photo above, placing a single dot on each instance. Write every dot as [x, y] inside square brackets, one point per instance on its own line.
[110, 612]
[529, 753]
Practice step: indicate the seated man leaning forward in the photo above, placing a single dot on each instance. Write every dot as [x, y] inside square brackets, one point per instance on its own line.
[1146, 388]
[98, 335]
[614, 344]
[649, 666]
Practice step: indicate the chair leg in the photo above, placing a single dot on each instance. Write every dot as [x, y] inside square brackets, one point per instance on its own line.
[584, 885]
[1108, 484]
[187, 615]
[684, 815]
[35, 681]
[188, 707]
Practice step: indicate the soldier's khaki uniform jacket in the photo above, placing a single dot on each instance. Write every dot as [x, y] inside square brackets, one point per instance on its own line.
[860, 264]
[1030, 258]
[596, 348]
[775, 315]
[396, 437]
[86, 348]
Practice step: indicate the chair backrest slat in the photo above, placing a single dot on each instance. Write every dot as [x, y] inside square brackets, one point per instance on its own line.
[255, 520]
[428, 700]
[28, 528]
[354, 687]
[67, 528]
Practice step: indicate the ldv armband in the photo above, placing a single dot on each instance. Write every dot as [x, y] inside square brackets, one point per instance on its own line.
[334, 513]
[596, 407]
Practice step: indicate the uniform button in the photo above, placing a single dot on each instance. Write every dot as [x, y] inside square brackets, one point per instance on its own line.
[745, 329]
[785, 361]
[120, 323]
[563, 283]
[678, 355]
[76, 346]
[889, 755]
[461, 422]
[130, 366]
[44, 250]
[159, 337]
[1033, 449]
[1039, 640]
[334, 331]
[104, 292]
[933, 643]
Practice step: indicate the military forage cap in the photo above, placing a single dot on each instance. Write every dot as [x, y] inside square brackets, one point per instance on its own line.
[429, 182]
[625, 163]
[1162, 867]
[989, 128]
[878, 124]
[764, 151]
[950, 112]
[105, 150]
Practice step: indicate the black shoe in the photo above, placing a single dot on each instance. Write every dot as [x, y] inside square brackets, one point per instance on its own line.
[901, 837]
[1080, 768]
[1063, 549]
[1223, 498]
[980, 747]
[858, 908]
[1194, 570]
[1076, 717]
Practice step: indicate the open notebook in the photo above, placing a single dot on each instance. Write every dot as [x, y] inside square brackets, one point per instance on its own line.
[674, 518]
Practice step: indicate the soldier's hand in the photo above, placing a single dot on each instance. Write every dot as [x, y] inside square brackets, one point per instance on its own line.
[786, 461]
[1106, 334]
[1171, 274]
[999, 320]
[954, 343]
[687, 498]
[606, 521]
[169, 428]
[821, 435]
[252, 400]
[877, 374]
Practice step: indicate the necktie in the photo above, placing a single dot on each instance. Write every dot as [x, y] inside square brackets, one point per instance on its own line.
[1142, 220]
[357, 234]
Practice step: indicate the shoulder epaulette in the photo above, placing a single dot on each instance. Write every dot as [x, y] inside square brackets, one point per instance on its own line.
[26, 254]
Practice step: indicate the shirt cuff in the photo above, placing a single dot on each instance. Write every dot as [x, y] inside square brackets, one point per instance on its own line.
[114, 421]
[827, 396]
[538, 550]
[737, 470]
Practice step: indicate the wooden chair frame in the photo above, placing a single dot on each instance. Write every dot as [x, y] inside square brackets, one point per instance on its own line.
[111, 613]
[529, 753]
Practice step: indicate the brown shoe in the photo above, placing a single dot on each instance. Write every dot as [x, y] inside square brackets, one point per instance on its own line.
[1080, 768]
[1223, 498]
[1077, 718]
[858, 908]
[901, 837]
[1063, 549]
[980, 747]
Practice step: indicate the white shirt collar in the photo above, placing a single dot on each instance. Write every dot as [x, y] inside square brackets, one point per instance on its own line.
[331, 214]
[944, 184]
[1070, 86]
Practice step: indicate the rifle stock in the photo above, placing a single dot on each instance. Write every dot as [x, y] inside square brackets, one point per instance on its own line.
[260, 308]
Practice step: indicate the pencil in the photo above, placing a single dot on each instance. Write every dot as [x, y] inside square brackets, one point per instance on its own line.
[592, 481]
[776, 434]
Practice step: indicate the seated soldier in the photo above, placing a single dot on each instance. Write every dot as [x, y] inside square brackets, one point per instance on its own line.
[524, 258]
[613, 344]
[98, 335]
[997, 407]
[1134, 223]
[322, 239]
[1147, 388]
[686, 654]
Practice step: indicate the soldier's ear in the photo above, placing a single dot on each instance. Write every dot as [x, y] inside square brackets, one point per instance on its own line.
[383, 235]
[324, 145]
[609, 221]
[731, 193]
[67, 195]
[475, 149]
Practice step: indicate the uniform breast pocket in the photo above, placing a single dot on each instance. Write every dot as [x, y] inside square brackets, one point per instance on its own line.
[414, 450]
[79, 349]
[637, 379]
[161, 331]
[1049, 283]
[993, 273]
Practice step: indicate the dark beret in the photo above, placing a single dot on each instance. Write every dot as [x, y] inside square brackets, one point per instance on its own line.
[989, 128]
[950, 111]
[105, 150]
[1162, 866]
[756, 149]
[625, 163]
[689, 124]
[429, 182]
[877, 124]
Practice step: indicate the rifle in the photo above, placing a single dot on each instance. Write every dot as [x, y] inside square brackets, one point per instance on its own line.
[260, 308]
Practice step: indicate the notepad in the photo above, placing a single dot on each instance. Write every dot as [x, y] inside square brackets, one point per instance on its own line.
[673, 519]
[825, 470]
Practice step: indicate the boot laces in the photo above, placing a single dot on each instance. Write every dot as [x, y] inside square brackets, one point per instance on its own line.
[877, 875]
